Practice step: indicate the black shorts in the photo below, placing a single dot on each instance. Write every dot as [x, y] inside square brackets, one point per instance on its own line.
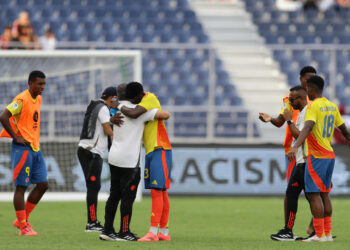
[297, 178]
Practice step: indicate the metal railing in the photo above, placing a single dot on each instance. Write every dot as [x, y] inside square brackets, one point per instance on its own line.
[210, 108]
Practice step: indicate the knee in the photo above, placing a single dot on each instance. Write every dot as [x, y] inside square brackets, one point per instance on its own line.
[43, 187]
[93, 184]
[292, 192]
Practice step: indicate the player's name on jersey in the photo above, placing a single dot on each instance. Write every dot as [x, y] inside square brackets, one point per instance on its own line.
[328, 108]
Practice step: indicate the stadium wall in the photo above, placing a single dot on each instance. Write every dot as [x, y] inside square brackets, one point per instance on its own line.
[197, 170]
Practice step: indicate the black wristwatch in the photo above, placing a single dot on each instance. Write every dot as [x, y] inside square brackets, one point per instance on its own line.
[289, 122]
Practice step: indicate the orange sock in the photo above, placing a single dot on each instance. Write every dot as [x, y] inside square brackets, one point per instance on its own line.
[29, 208]
[157, 207]
[319, 226]
[165, 213]
[21, 217]
[327, 225]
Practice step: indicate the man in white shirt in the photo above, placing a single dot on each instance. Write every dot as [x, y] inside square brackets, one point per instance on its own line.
[124, 156]
[91, 148]
[298, 100]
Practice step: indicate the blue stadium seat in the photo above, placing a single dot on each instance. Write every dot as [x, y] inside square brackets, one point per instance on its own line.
[327, 38]
[311, 14]
[308, 38]
[344, 39]
[271, 38]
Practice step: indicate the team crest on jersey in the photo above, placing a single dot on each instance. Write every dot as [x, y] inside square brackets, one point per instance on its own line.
[154, 182]
[15, 105]
[36, 116]
[27, 179]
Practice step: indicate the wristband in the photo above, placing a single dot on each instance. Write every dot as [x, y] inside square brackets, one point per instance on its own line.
[289, 122]
[120, 106]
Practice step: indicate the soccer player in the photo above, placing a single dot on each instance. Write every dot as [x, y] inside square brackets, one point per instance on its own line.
[320, 120]
[91, 148]
[21, 122]
[158, 159]
[305, 73]
[124, 163]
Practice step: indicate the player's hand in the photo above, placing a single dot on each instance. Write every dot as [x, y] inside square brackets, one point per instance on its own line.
[117, 119]
[287, 115]
[292, 153]
[264, 117]
[114, 103]
[21, 140]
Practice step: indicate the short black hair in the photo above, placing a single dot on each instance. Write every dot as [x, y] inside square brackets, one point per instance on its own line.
[34, 74]
[316, 81]
[297, 88]
[307, 69]
[133, 89]
[121, 91]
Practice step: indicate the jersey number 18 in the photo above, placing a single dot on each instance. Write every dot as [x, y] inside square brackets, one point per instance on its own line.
[328, 124]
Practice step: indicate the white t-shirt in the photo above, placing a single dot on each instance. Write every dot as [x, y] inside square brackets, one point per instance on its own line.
[99, 136]
[126, 145]
[301, 154]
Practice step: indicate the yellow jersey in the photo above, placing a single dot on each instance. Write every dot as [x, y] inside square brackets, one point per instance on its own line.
[155, 134]
[326, 116]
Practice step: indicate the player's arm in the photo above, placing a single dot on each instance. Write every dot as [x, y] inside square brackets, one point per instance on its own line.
[107, 129]
[5, 121]
[278, 121]
[129, 112]
[288, 116]
[133, 112]
[345, 133]
[301, 138]
[103, 118]
[162, 115]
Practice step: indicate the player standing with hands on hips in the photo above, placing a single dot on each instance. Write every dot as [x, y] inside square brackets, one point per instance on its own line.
[21, 121]
[91, 148]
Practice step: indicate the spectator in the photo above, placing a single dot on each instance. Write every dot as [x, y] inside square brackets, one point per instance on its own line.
[20, 23]
[310, 4]
[343, 3]
[28, 39]
[48, 41]
[6, 38]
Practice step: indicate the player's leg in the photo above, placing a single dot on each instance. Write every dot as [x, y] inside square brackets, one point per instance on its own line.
[290, 204]
[129, 184]
[286, 160]
[326, 199]
[38, 177]
[164, 220]
[327, 216]
[92, 166]
[317, 210]
[108, 232]
[315, 183]
[21, 160]
[152, 168]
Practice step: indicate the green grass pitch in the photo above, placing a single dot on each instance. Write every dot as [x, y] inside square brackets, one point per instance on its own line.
[195, 223]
